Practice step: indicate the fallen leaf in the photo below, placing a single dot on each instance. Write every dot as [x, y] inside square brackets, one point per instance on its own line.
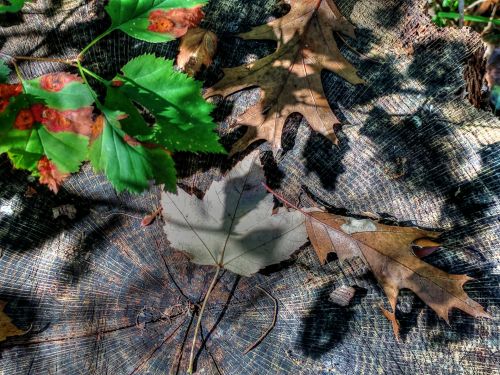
[67, 210]
[7, 329]
[424, 247]
[196, 50]
[343, 295]
[387, 252]
[233, 226]
[148, 219]
[290, 78]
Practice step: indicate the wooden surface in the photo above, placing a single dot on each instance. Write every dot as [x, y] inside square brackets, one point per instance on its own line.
[103, 295]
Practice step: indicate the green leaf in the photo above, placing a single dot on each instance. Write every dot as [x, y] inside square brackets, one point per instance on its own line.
[66, 150]
[134, 124]
[467, 17]
[129, 167]
[15, 6]
[4, 71]
[132, 16]
[25, 161]
[495, 97]
[74, 95]
[183, 117]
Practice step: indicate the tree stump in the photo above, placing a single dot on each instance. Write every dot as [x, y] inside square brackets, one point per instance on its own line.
[99, 294]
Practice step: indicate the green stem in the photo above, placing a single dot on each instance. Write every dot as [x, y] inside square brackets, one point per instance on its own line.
[93, 42]
[81, 69]
[96, 76]
[467, 17]
[198, 323]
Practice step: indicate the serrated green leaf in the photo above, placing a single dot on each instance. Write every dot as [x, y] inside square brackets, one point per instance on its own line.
[66, 150]
[129, 167]
[132, 16]
[4, 71]
[15, 6]
[134, 124]
[73, 96]
[183, 117]
[25, 160]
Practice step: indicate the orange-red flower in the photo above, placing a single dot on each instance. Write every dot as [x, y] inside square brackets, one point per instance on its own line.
[50, 175]
[55, 82]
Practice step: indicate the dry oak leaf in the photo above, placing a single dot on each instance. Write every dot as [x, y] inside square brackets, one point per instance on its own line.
[387, 252]
[196, 50]
[7, 329]
[290, 78]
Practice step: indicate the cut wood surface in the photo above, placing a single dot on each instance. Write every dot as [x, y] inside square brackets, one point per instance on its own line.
[102, 294]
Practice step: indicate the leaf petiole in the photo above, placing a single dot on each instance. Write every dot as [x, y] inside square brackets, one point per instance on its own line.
[81, 69]
[93, 42]
[198, 322]
[96, 76]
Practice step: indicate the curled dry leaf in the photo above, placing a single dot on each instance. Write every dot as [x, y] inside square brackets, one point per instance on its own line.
[387, 251]
[290, 78]
[7, 328]
[148, 219]
[196, 50]
[342, 295]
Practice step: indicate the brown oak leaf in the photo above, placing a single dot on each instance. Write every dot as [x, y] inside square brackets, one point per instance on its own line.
[196, 50]
[7, 329]
[387, 250]
[290, 78]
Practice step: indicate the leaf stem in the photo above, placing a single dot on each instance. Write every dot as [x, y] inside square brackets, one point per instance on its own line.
[46, 59]
[92, 43]
[96, 76]
[19, 75]
[81, 69]
[198, 323]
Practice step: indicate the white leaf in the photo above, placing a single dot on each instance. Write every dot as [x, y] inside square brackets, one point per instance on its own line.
[233, 225]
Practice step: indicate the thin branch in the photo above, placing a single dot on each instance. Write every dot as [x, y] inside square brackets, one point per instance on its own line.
[198, 323]
[271, 326]
[473, 5]
[71, 62]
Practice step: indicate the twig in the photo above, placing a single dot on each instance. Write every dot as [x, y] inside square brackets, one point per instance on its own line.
[473, 5]
[490, 23]
[271, 326]
[121, 213]
[461, 6]
[198, 323]
[46, 59]
[356, 51]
